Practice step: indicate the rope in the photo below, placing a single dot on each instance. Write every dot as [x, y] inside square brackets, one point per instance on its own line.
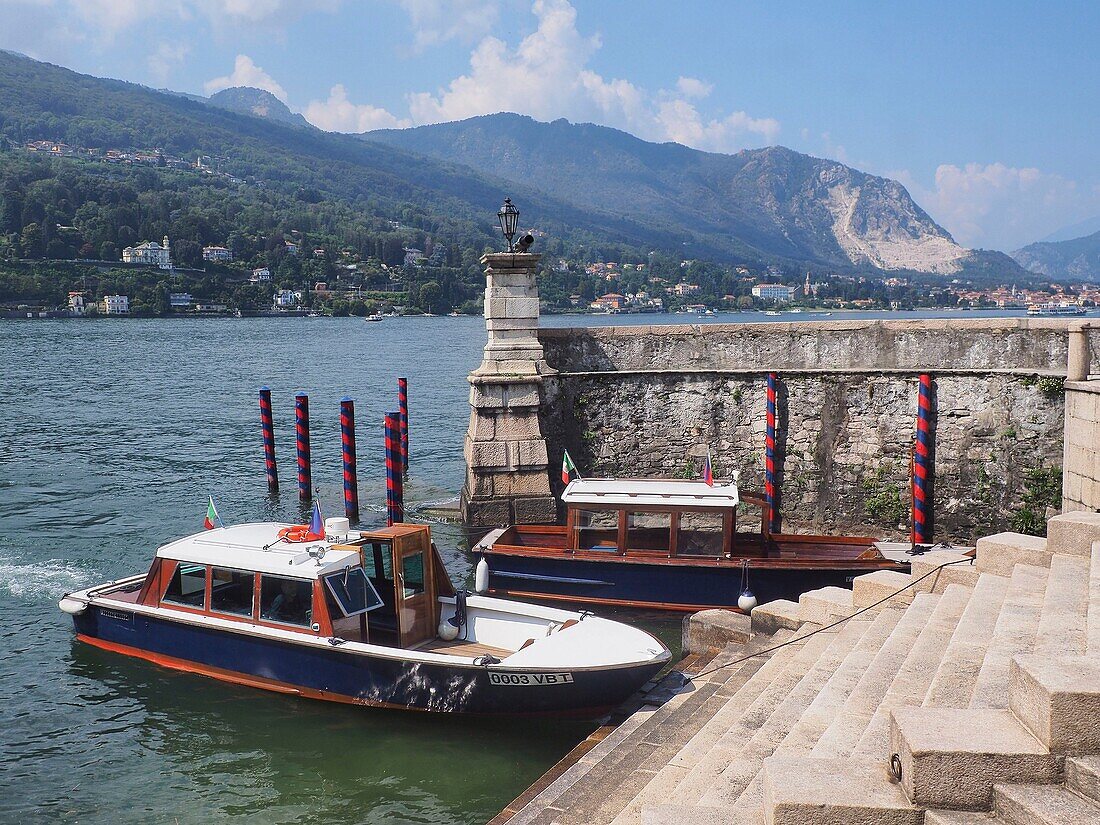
[823, 628]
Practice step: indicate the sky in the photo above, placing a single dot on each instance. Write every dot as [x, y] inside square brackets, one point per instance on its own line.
[988, 112]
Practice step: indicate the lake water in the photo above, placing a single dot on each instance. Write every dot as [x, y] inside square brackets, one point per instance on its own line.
[112, 435]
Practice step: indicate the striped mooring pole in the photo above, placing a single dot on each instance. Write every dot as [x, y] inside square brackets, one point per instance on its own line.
[769, 456]
[403, 411]
[268, 428]
[347, 451]
[301, 433]
[394, 488]
[922, 464]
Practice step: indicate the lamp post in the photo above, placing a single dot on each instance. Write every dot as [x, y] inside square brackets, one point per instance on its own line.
[509, 220]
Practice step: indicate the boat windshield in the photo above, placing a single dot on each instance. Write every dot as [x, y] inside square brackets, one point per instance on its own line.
[353, 591]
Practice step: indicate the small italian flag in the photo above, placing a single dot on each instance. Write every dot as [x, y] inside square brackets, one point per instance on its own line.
[212, 519]
[568, 469]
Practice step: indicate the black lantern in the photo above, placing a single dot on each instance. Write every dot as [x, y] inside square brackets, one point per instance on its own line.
[509, 220]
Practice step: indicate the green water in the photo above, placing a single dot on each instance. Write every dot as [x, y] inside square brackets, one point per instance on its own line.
[112, 434]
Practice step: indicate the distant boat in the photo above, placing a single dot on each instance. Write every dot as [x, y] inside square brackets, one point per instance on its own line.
[773, 312]
[314, 315]
[1063, 308]
[375, 316]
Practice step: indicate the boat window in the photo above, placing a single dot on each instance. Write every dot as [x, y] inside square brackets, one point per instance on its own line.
[412, 574]
[188, 585]
[289, 601]
[596, 529]
[231, 591]
[353, 591]
[648, 531]
[700, 534]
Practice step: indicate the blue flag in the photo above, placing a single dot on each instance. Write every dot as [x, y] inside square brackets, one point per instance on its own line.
[316, 525]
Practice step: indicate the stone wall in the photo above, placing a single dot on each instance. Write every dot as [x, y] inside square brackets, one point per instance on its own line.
[1081, 486]
[649, 401]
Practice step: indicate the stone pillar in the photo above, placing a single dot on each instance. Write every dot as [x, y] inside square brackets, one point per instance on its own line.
[1077, 368]
[506, 474]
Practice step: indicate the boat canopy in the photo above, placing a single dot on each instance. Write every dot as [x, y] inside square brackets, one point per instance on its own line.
[621, 492]
[257, 547]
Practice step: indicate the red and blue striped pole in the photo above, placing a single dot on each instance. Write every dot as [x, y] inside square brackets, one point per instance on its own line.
[922, 464]
[347, 450]
[395, 493]
[403, 411]
[268, 427]
[301, 433]
[769, 457]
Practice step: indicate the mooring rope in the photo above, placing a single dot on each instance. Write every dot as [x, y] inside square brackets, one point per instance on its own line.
[823, 628]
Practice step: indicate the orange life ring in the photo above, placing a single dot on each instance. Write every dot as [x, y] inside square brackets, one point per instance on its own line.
[298, 533]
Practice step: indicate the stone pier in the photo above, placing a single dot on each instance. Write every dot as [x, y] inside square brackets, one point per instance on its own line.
[506, 465]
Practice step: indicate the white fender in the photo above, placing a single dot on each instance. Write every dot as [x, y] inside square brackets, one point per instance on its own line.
[447, 631]
[481, 576]
[73, 607]
[746, 601]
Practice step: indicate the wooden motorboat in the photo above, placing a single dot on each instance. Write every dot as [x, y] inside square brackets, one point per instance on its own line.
[667, 544]
[367, 618]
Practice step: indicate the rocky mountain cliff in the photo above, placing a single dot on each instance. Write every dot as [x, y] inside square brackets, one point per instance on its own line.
[763, 202]
[256, 102]
[1077, 259]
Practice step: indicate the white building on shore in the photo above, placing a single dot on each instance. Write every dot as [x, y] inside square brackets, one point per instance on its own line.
[116, 305]
[218, 254]
[150, 252]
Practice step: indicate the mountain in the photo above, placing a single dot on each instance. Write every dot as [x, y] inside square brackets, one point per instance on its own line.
[591, 190]
[1077, 259]
[763, 203]
[257, 102]
[1074, 231]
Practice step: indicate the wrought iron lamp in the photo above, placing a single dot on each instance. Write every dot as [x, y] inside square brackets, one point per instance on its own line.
[509, 220]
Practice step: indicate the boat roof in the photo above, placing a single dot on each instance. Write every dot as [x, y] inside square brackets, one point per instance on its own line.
[256, 547]
[642, 492]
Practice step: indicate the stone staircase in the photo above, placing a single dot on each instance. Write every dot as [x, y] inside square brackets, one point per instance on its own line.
[979, 686]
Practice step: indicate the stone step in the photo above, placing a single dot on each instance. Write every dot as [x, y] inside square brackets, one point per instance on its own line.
[1094, 601]
[1014, 634]
[1073, 533]
[882, 584]
[607, 758]
[844, 732]
[737, 776]
[1043, 805]
[1063, 623]
[801, 790]
[825, 605]
[781, 614]
[686, 815]
[915, 676]
[1001, 552]
[951, 757]
[1058, 699]
[953, 684]
[702, 776]
[1083, 776]
[754, 677]
[960, 818]
[960, 569]
[748, 809]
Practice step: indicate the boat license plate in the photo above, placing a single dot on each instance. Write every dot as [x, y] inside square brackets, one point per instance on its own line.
[503, 678]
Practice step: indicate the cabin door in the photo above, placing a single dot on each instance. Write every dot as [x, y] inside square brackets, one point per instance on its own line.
[414, 586]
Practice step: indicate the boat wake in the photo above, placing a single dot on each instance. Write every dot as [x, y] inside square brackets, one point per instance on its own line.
[51, 579]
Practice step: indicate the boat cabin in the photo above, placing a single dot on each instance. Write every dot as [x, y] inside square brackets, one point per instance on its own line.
[381, 587]
[670, 518]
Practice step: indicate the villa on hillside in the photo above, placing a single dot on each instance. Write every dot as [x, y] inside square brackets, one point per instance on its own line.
[150, 252]
[775, 292]
[216, 253]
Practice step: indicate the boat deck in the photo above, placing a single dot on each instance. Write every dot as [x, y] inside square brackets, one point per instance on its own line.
[471, 649]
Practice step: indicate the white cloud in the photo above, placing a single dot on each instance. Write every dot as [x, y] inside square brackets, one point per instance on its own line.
[694, 87]
[246, 73]
[996, 206]
[547, 76]
[437, 21]
[338, 114]
[166, 58]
